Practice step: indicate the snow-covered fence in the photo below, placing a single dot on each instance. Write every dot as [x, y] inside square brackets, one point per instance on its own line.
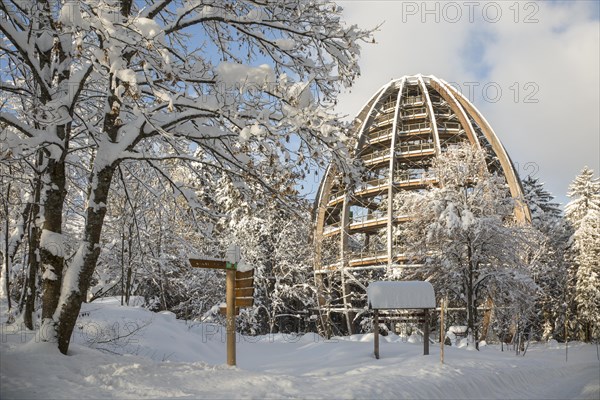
[408, 295]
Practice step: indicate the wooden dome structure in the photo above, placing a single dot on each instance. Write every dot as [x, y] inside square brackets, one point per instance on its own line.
[401, 129]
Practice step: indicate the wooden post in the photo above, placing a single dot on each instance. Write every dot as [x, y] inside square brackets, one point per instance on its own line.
[426, 334]
[442, 331]
[230, 297]
[566, 338]
[376, 332]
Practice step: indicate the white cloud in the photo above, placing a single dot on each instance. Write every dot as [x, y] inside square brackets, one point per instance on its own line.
[554, 61]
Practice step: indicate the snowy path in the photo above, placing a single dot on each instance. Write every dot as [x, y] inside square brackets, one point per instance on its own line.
[315, 370]
[280, 367]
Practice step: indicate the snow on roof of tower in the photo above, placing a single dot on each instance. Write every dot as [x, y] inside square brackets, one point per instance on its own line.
[398, 295]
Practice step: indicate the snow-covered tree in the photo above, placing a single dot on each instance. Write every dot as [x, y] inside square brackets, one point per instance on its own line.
[583, 212]
[585, 194]
[19, 199]
[463, 232]
[587, 289]
[237, 89]
[544, 211]
[276, 242]
[551, 269]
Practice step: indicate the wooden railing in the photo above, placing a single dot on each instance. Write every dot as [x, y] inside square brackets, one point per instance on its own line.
[368, 158]
[415, 148]
[367, 219]
[383, 119]
[388, 106]
[403, 177]
[376, 135]
[374, 183]
[449, 127]
[412, 100]
[422, 127]
[410, 113]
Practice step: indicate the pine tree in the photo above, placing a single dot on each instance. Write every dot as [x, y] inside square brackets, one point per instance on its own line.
[585, 192]
[544, 211]
[587, 290]
[550, 271]
[583, 212]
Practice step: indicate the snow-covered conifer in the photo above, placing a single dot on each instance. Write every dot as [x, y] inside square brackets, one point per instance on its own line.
[585, 194]
[550, 271]
[544, 211]
[583, 212]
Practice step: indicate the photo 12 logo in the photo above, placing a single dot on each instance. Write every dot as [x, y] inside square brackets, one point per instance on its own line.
[492, 92]
[470, 11]
[526, 169]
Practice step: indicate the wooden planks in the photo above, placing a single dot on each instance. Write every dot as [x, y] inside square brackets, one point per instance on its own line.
[244, 280]
[244, 291]
[244, 301]
[244, 288]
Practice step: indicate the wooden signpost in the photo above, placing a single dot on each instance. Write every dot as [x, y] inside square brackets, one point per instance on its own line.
[239, 292]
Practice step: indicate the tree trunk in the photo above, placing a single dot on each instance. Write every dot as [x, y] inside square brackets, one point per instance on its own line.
[77, 280]
[487, 318]
[161, 274]
[6, 256]
[33, 259]
[469, 290]
[53, 178]
[471, 296]
[129, 268]
[470, 311]
[12, 245]
[52, 251]
[7, 251]
[128, 284]
[122, 267]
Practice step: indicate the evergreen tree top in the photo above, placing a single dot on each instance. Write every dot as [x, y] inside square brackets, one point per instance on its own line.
[539, 200]
[585, 192]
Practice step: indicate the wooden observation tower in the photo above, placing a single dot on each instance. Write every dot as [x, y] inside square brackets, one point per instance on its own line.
[401, 129]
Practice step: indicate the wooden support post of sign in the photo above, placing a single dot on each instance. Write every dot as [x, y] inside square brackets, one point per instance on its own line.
[426, 334]
[442, 331]
[230, 298]
[376, 332]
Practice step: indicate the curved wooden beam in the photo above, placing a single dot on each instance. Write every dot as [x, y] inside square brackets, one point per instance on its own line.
[522, 212]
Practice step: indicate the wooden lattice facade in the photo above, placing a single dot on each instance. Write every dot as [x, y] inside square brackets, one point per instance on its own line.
[401, 129]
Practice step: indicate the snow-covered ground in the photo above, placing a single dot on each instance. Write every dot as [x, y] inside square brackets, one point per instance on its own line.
[168, 358]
